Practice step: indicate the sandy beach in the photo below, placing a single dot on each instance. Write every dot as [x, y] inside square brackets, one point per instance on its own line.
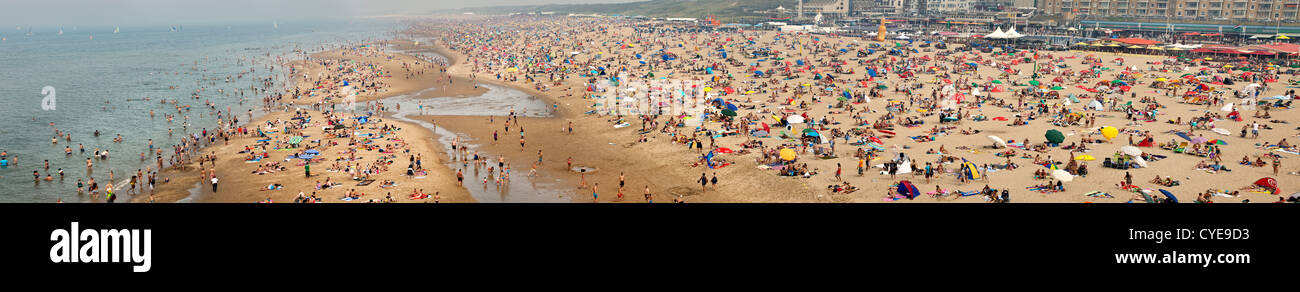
[670, 164]
[773, 117]
[358, 159]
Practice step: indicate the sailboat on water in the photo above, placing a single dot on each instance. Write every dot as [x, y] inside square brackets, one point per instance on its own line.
[276, 24]
[116, 29]
[173, 28]
[60, 30]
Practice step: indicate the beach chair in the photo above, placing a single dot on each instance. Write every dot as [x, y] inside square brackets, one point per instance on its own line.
[1181, 148]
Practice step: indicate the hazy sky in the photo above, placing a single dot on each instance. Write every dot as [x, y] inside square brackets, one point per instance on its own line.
[153, 12]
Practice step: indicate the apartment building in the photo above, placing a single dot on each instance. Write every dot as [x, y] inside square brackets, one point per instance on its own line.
[1238, 10]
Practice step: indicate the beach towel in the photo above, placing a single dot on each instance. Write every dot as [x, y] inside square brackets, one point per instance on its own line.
[365, 183]
[1098, 194]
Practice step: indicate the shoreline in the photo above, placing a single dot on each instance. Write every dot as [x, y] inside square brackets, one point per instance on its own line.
[183, 181]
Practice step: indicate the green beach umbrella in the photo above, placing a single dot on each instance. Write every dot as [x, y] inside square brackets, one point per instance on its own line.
[882, 87]
[729, 113]
[1033, 82]
[997, 81]
[1054, 136]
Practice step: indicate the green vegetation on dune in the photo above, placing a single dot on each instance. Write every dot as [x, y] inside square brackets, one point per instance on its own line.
[722, 9]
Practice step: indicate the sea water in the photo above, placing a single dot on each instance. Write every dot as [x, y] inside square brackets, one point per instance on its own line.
[100, 83]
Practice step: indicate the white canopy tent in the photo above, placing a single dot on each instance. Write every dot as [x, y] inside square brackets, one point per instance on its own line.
[996, 34]
[1012, 34]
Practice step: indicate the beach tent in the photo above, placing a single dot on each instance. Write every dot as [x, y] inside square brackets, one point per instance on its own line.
[1269, 183]
[907, 189]
[971, 170]
[998, 141]
[1096, 105]
[1054, 136]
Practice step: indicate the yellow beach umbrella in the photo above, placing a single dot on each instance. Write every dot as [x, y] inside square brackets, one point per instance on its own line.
[1112, 45]
[1135, 47]
[1174, 49]
[788, 154]
[1156, 48]
[1161, 79]
[1085, 157]
[1283, 37]
[1097, 44]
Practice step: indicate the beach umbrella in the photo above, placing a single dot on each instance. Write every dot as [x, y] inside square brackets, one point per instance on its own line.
[1161, 79]
[1140, 161]
[1219, 142]
[724, 150]
[788, 154]
[1130, 150]
[1109, 132]
[998, 141]
[1085, 157]
[1033, 82]
[1268, 182]
[1062, 175]
[1199, 140]
[795, 119]
[1054, 136]
[811, 132]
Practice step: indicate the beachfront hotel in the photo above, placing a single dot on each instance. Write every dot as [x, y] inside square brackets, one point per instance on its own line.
[1202, 10]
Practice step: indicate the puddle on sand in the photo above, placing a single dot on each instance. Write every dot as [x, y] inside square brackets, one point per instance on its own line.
[498, 100]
